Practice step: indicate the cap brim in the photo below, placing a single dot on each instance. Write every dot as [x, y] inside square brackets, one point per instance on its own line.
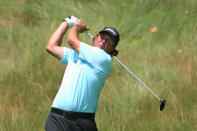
[108, 32]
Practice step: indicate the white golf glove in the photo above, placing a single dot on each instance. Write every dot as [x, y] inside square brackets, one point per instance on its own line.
[71, 20]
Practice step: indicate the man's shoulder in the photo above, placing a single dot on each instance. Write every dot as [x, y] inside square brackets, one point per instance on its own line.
[95, 50]
[68, 54]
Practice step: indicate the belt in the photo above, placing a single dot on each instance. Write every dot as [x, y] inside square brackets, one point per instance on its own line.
[72, 115]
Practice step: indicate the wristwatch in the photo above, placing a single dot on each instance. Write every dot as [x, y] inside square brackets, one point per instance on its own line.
[77, 27]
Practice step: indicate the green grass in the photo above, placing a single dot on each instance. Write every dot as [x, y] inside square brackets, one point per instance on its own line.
[165, 60]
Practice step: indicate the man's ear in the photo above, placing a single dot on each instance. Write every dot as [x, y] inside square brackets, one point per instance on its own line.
[95, 37]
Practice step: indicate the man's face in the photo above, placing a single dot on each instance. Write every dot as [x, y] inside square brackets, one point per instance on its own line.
[105, 42]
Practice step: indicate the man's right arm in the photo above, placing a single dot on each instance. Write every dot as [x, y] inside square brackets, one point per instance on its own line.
[54, 44]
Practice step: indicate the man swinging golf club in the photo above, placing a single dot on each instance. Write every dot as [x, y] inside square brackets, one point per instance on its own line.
[76, 102]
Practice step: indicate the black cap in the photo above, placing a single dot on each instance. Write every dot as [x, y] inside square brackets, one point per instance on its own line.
[112, 32]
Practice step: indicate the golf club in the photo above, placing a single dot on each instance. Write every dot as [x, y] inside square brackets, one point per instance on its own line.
[163, 102]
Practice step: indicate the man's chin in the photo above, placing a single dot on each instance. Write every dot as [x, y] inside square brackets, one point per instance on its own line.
[99, 47]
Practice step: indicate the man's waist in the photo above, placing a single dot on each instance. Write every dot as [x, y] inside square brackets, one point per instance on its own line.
[79, 104]
[73, 115]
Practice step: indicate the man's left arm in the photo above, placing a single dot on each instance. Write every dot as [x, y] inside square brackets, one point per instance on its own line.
[73, 35]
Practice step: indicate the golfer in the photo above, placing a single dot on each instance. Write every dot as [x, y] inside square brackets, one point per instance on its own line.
[76, 102]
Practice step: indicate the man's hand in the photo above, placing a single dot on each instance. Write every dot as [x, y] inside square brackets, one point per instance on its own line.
[81, 26]
[71, 20]
[73, 35]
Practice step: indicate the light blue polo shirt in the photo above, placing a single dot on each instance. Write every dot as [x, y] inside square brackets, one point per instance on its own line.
[83, 79]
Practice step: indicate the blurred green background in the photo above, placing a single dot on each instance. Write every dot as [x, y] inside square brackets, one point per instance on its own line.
[164, 59]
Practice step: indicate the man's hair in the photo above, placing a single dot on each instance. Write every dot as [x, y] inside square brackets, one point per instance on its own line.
[115, 53]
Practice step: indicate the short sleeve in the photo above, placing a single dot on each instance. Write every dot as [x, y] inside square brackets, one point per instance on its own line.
[67, 55]
[96, 57]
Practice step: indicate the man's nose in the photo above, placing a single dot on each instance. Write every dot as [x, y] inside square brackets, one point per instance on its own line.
[103, 40]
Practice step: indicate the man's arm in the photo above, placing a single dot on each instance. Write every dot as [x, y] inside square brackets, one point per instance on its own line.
[54, 44]
[73, 35]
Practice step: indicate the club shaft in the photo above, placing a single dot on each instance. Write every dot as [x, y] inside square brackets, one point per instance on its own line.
[146, 87]
[89, 35]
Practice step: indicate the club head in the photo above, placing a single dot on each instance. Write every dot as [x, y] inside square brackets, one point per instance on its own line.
[163, 103]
